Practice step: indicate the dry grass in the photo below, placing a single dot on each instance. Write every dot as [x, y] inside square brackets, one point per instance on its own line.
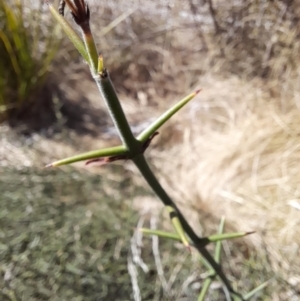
[241, 161]
[235, 150]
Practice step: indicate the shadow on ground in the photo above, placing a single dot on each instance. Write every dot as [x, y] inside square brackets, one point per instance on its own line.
[65, 237]
[52, 112]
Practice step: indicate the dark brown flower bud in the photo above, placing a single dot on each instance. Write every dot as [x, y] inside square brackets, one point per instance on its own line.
[81, 13]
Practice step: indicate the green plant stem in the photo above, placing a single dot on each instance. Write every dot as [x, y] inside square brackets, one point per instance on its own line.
[209, 279]
[148, 175]
[134, 147]
[116, 112]
[90, 47]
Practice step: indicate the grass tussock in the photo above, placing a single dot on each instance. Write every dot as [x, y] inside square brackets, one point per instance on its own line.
[27, 50]
[241, 161]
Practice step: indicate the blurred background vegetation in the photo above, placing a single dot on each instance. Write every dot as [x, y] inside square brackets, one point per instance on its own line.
[68, 234]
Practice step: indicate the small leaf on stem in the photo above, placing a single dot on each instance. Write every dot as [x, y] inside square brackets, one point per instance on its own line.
[100, 64]
[256, 290]
[178, 227]
[106, 152]
[152, 128]
[70, 32]
[163, 234]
